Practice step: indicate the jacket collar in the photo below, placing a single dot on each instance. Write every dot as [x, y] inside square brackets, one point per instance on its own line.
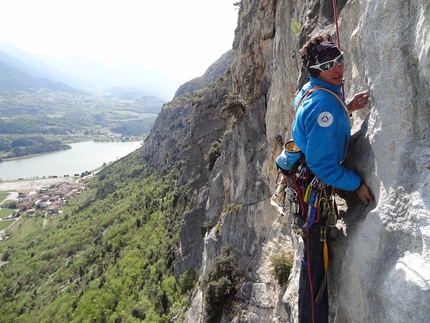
[314, 81]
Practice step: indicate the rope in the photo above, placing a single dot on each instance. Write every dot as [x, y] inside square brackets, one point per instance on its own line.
[337, 35]
[307, 231]
[311, 288]
[336, 22]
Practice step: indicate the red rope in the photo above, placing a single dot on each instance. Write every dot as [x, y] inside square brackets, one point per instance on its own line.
[336, 22]
[307, 231]
[311, 288]
[337, 36]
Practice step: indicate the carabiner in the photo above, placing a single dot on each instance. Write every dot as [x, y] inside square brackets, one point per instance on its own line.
[308, 192]
[324, 206]
[314, 181]
[289, 191]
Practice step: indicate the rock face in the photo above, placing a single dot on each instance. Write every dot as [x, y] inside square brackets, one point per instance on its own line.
[211, 75]
[185, 119]
[380, 258]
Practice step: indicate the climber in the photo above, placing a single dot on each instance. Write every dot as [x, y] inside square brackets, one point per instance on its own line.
[321, 130]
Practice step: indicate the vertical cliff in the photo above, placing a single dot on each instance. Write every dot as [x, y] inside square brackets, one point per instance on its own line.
[380, 261]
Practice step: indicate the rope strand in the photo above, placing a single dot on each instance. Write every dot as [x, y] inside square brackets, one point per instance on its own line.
[337, 35]
[336, 22]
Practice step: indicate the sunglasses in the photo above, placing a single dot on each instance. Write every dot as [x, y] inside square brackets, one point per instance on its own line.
[327, 66]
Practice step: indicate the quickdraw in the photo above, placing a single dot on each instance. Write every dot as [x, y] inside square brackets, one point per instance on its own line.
[310, 200]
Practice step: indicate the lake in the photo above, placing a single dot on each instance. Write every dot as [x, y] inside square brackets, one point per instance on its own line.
[84, 156]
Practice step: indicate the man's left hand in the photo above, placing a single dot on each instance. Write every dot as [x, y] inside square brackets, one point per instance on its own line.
[359, 101]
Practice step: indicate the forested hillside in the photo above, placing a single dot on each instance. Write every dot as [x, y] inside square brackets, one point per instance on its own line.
[108, 257]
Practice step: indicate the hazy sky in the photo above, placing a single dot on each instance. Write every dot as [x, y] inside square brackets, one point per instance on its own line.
[180, 38]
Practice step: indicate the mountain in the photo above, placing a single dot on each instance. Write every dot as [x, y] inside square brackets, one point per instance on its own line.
[14, 80]
[30, 64]
[25, 68]
[86, 74]
[123, 75]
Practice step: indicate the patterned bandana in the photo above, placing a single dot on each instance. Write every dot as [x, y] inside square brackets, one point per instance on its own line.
[319, 53]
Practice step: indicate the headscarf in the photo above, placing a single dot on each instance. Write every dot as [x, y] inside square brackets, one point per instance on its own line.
[319, 53]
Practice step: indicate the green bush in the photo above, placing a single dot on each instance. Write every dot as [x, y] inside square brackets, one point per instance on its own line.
[187, 281]
[221, 282]
[282, 265]
[296, 27]
[234, 107]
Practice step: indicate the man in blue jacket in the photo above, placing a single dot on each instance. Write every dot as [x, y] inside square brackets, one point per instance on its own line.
[322, 131]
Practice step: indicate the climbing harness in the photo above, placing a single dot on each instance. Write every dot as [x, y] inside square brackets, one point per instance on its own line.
[310, 200]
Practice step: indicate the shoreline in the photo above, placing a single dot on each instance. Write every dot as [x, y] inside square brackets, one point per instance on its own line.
[3, 159]
[23, 157]
[31, 156]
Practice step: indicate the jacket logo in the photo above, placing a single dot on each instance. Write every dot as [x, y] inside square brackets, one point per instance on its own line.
[325, 119]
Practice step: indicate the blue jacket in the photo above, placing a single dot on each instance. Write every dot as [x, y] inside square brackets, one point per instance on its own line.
[322, 131]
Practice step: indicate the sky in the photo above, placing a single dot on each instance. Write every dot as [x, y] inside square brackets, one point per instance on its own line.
[180, 38]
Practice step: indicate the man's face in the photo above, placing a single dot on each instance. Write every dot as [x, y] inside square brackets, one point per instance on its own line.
[333, 76]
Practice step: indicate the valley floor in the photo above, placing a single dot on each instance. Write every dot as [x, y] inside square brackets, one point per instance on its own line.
[34, 184]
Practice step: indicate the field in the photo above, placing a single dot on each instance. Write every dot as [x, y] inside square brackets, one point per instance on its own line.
[20, 230]
[3, 196]
[5, 224]
[5, 212]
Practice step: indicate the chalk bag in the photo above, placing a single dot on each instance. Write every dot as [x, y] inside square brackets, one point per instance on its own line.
[289, 156]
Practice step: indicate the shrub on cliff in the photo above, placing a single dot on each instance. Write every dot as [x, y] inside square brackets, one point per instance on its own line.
[282, 265]
[221, 285]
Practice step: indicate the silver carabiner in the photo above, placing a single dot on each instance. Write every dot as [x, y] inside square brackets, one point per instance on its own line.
[290, 192]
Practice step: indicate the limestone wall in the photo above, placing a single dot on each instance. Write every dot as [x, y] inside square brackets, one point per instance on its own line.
[380, 262]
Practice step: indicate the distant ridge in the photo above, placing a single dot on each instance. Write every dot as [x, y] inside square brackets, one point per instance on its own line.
[13, 81]
[86, 74]
[29, 64]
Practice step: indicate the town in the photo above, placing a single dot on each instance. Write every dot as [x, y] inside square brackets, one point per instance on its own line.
[46, 201]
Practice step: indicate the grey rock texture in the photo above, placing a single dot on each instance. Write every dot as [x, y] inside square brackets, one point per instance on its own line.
[212, 74]
[380, 259]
